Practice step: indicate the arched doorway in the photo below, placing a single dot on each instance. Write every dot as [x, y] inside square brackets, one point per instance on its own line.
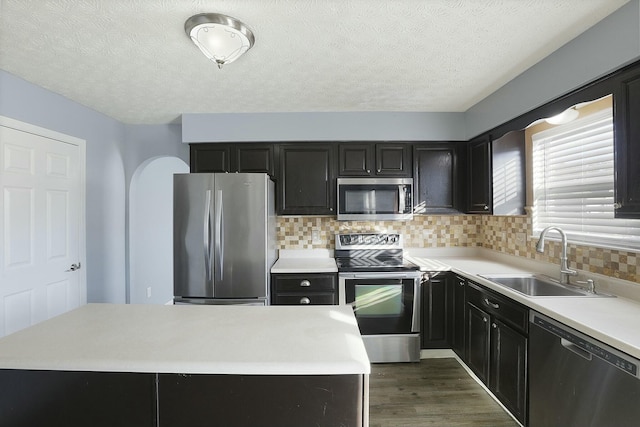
[151, 230]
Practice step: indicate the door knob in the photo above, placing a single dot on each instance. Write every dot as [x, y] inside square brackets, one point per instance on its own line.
[74, 267]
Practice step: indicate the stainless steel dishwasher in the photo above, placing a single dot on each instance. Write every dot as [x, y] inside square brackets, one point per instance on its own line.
[575, 380]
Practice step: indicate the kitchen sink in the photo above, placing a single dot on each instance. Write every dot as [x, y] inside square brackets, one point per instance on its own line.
[534, 285]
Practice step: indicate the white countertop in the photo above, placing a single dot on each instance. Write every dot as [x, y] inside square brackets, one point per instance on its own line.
[305, 261]
[244, 340]
[613, 321]
[305, 265]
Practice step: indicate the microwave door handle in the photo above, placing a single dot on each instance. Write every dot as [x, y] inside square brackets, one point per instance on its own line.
[401, 199]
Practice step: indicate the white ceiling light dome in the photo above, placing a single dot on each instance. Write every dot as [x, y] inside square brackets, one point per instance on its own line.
[221, 38]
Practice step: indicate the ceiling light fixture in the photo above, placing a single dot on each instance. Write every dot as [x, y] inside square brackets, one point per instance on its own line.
[568, 115]
[221, 38]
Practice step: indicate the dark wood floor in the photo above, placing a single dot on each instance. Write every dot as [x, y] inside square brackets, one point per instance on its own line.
[434, 392]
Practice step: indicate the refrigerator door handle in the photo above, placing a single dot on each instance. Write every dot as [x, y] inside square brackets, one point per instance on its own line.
[219, 235]
[207, 235]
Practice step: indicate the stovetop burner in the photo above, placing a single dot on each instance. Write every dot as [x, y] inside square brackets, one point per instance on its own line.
[373, 264]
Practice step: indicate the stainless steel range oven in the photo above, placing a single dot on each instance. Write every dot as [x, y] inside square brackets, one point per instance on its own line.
[384, 291]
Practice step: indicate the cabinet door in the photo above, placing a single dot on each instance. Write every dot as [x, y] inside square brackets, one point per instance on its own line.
[508, 174]
[434, 176]
[435, 311]
[355, 159]
[478, 335]
[393, 160]
[307, 180]
[254, 158]
[212, 158]
[459, 285]
[68, 398]
[480, 199]
[260, 400]
[508, 369]
[627, 146]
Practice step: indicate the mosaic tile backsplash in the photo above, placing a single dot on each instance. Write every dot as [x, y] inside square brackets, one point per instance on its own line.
[507, 234]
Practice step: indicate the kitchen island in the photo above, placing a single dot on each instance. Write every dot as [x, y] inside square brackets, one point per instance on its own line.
[143, 365]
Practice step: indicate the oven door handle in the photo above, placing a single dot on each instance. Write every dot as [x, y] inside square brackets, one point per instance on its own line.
[380, 275]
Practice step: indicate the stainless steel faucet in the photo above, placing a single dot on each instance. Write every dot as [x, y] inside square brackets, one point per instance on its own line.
[565, 271]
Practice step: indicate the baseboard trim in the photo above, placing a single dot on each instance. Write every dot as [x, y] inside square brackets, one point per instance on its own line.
[436, 353]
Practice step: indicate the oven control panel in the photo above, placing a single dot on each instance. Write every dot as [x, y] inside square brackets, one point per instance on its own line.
[369, 241]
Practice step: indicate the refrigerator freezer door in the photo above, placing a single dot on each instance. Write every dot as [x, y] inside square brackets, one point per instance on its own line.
[193, 235]
[241, 236]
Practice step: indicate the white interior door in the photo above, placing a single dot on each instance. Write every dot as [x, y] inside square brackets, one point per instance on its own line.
[42, 225]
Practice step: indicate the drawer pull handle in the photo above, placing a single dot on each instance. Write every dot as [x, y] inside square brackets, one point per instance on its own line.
[305, 283]
[305, 300]
[491, 304]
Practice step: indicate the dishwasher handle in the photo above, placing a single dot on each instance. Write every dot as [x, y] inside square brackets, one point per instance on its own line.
[575, 349]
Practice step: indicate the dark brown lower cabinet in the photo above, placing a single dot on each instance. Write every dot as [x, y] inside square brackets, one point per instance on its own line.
[478, 334]
[77, 399]
[435, 329]
[508, 368]
[260, 400]
[496, 346]
[31, 398]
[304, 289]
[458, 315]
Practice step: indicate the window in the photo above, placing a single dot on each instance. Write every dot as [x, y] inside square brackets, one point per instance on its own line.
[573, 179]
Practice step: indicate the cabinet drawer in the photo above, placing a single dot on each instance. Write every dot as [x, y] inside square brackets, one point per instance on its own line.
[306, 299]
[503, 308]
[304, 283]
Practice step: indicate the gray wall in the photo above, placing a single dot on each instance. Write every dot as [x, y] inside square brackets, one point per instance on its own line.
[608, 45]
[347, 126]
[114, 152]
[105, 201]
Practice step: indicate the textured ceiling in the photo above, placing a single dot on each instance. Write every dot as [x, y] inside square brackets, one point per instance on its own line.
[131, 60]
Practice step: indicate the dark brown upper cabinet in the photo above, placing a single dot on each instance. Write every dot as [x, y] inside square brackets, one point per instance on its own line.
[626, 114]
[212, 158]
[479, 179]
[436, 178]
[255, 158]
[307, 181]
[355, 159]
[393, 160]
[239, 157]
[508, 174]
[375, 159]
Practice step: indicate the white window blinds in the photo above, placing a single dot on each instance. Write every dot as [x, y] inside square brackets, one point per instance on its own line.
[573, 183]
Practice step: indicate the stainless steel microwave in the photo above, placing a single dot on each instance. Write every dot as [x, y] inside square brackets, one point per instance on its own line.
[375, 199]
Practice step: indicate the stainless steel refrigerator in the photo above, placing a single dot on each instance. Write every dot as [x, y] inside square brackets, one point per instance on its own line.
[223, 238]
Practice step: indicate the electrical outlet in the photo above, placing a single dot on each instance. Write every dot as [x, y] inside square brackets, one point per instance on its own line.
[521, 239]
[149, 292]
[315, 237]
